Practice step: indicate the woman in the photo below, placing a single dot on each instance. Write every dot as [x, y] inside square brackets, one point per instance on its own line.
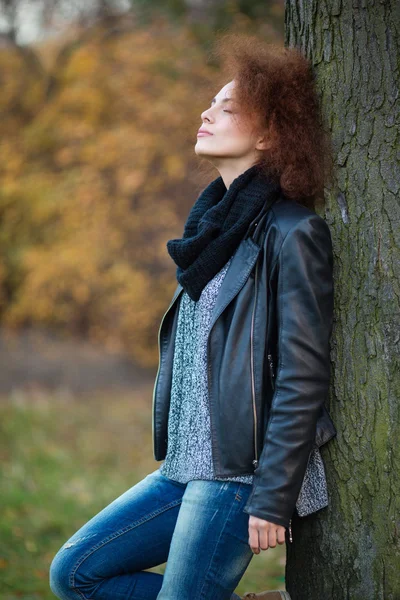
[238, 402]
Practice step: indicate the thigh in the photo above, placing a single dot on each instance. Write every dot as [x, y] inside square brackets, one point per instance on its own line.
[209, 550]
[130, 534]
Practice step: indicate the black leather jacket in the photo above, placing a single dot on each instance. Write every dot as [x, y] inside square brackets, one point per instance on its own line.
[268, 358]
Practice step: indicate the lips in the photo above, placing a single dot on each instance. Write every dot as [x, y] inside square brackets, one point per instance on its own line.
[204, 132]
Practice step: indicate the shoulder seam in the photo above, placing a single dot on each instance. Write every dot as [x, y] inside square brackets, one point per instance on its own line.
[307, 217]
[284, 237]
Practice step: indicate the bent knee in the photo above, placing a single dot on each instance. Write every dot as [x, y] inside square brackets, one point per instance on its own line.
[60, 577]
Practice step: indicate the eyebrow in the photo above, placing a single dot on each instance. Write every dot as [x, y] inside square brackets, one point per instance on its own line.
[223, 100]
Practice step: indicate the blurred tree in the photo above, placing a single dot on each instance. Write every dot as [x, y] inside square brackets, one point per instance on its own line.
[73, 22]
[206, 17]
[23, 21]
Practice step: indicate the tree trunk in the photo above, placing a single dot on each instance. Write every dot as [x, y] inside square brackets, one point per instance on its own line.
[351, 549]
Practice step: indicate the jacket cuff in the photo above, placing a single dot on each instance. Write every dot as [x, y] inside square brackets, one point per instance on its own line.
[262, 514]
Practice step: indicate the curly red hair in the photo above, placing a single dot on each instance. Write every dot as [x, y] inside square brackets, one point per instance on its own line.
[275, 89]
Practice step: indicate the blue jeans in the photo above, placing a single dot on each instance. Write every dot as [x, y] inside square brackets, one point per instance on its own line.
[199, 529]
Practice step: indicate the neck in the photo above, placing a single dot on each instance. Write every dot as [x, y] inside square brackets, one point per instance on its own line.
[230, 171]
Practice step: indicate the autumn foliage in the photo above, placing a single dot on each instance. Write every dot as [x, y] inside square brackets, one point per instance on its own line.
[98, 171]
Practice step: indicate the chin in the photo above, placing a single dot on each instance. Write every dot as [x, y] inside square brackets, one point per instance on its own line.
[205, 151]
[201, 152]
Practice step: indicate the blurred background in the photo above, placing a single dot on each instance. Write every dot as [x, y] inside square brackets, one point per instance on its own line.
[100, 104]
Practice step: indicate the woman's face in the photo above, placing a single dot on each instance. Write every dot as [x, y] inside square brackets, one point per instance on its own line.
[231, 136]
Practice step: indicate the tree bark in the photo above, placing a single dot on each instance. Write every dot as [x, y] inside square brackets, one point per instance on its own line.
[351, 549]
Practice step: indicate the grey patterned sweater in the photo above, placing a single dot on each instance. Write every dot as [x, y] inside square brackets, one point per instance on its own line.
[189, 451]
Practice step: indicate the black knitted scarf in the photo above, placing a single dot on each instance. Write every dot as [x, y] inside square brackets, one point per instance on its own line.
[217, 223]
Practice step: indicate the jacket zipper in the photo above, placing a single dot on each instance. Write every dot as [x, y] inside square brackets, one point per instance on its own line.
[255, 461]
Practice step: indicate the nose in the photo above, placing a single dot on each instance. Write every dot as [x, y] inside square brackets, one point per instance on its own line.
[205, 114]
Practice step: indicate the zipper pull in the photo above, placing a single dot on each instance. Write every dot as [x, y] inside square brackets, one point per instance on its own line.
[271, 370]
[251, 230]
[255, 463]
[290, 531]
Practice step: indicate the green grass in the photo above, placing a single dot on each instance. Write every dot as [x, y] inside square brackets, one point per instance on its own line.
[63, 460]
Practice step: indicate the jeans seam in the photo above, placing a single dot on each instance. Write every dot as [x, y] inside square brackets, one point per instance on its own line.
[113, 536]
[215, 549]
[183, 485]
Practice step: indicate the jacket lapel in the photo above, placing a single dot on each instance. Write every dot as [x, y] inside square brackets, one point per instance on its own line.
[236, 276]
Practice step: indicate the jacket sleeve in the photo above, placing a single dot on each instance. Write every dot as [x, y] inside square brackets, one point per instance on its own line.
[304, 309]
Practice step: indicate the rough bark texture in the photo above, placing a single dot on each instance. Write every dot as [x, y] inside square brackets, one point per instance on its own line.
[351, 549]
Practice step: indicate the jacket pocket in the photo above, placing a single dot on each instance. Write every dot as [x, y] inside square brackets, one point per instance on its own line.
[325, 429]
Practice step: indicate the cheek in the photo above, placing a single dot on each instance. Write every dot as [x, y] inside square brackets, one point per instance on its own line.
[238, 136]
[233, 128]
